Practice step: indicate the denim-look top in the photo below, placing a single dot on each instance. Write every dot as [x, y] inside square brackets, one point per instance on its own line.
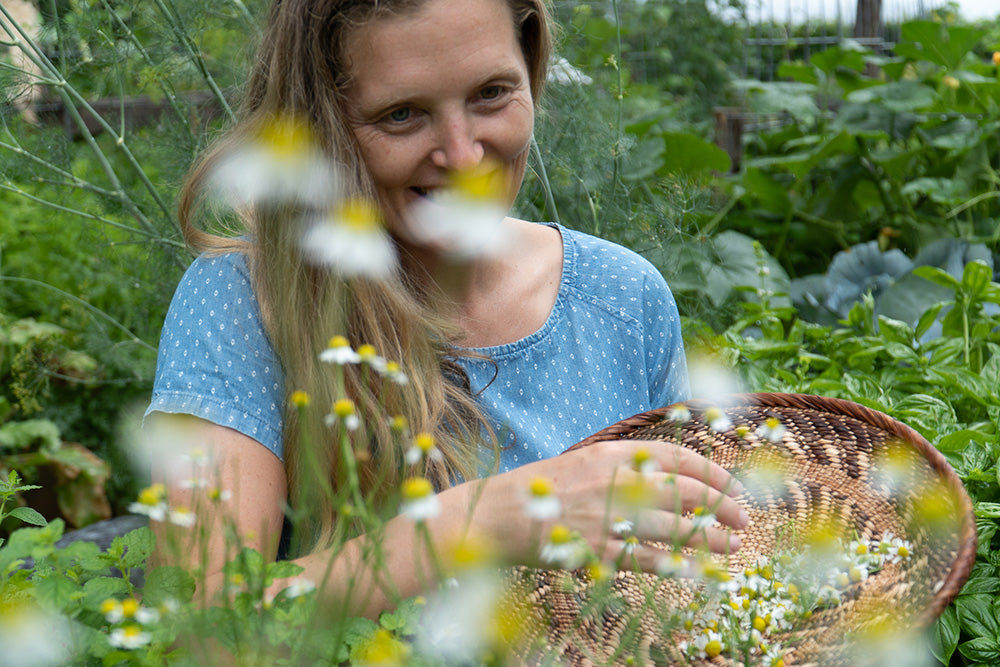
[610, 348]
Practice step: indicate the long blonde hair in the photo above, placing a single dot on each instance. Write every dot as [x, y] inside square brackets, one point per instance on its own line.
[299, 69]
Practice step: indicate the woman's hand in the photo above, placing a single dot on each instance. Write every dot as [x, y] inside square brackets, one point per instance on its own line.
[650, 484]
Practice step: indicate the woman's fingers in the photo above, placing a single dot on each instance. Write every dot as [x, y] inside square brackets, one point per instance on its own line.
[682, 461]
[679, 531]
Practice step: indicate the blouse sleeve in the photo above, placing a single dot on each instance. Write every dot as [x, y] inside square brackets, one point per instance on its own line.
[665, 361]
[214, 360]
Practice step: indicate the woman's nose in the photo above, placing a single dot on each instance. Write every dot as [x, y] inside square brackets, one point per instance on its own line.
[458, 145]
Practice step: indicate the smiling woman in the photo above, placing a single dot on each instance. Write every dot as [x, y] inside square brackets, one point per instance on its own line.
[464, 356]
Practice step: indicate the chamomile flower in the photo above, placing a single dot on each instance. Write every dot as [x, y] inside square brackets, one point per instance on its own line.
[541, 503]
[703, 518]
[419, 500]
[673, 565]
[369, 356]
[299, 587]
[465, 219]
[116, 611]
[280, 162]
[182, 516]
[424, 447]
[339, 351]
[622, 526]
[395, 373]
[630, 544]
[772, 430]
[381, 649]
[152, 502]
[299, 398]
[679, 414]
[563, 548]
[717, 420]
[644, 462]
[344, 412]
[129, 637]
[350, 239]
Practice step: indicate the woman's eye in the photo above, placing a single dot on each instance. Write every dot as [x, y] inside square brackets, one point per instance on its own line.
[400, 115]
[491, 92]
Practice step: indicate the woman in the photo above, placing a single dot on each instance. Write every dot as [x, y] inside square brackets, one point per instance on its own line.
[523, 340]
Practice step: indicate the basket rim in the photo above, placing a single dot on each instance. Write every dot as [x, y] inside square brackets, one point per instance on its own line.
[967, 537]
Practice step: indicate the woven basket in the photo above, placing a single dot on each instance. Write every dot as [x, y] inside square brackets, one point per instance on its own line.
[844, 465]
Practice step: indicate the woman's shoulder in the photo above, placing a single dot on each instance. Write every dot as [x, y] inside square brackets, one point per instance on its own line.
[605, 268]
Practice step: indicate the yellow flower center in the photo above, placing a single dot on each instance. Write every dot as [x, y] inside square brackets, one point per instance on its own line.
[108, 606]
[338, 341]
[299, 399]
[358, 214]
[343, 408]
[541, 487]
[129, 607]
[367, 352]
[424, 442]
[903, 552]
[483, 183]
[713, 648]
[287, 136]
[560, 534]
[153, 495]
[399, 423]
[772, 422]
[416, 488]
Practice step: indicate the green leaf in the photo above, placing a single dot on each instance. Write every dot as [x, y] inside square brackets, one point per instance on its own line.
[30, 434]
[686, 153]
[976, 615]
[168, 582]
[138, 544]
[28, 515]
[944, 639]
[981, 649]
[938, 277]
[99, 589]
[282, 569]
[975, 279]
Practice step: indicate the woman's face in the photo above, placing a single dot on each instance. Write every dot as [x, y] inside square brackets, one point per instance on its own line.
[440, 89]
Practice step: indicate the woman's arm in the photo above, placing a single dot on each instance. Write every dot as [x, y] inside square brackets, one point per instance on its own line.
[492, 508]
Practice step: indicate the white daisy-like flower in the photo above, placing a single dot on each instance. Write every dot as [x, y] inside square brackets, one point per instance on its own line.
[419, 500]
[703, 518]
[281, 162]
[679, 414]
[351, 240]
[542, 503]
[622, 526]
[146, 615]
[717, 420]
[466, 219]
[630, 544]
[344, 412]
[31, 637]
[129, 637]
[395, 373]
[182, 516]
[772, 430]
[707, 644]
[299, 587]
[424, 447]
[152, 502]
[644, 462]
[673, 564]
[218, 495]
[563, 548]
[370, 357]
[562, 72]
[339, 351]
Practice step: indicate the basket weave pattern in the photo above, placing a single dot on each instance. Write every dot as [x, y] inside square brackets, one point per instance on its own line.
[842, 465]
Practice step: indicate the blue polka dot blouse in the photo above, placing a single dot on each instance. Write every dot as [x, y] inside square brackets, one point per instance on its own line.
[611, 348]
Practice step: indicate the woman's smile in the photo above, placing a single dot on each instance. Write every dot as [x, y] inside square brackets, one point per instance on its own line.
[434, 91]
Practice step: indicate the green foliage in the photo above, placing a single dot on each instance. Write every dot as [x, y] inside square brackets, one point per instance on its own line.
[911, 154]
